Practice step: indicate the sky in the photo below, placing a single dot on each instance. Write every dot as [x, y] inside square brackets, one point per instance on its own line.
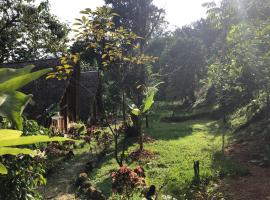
[178, 12]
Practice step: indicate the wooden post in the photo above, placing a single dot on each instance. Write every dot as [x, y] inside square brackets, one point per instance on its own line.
[196, 172]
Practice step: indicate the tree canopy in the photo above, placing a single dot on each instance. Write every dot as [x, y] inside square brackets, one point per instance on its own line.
[29, 31]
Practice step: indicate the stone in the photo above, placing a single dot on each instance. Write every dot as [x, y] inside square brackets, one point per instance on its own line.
[94, 194]
[90, 166]
[83, 177]
[86, 184]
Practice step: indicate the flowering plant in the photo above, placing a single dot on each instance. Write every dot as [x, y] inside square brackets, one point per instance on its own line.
[126, 181]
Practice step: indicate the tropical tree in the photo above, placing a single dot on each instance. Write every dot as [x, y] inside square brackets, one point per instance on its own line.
[29, 31]
[117, 50]
[140, 16]
[183, 61]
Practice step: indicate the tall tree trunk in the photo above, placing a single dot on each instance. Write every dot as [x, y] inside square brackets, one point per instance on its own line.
[267, 105]
[225, 125]
[140, 133]
[119, 162]
[124, 107]
[146, 121]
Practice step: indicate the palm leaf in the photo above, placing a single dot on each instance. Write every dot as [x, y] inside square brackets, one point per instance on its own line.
[18, 82]
[12, 105]
[8, 73]
[25, 140]
[3, 169]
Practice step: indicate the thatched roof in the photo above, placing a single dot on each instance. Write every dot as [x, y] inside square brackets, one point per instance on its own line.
[51, 91]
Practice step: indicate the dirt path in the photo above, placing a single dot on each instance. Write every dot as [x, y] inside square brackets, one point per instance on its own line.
[256, 186]
[60, 183]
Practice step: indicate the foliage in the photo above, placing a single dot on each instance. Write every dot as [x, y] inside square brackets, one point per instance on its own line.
[141, 17]
[111, 43]
[29, 31]
[9, 139]
[148, 102]
[31, 127]
[104, 140]
[25, 175]
[126, 181]
[143, 109]
[63, 71]
[13, 102]
[12, 106]
[184, 63]
[77, 129]
[117, 49]
[239, 69]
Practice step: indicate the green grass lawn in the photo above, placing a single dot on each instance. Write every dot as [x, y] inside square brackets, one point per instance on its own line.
[177, 145]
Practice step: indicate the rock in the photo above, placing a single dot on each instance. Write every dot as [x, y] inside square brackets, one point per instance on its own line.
[69, 155]
[265, 162]
[244, 143]
[252, 133]
[86, 184]
[151, 192]
[90, 166]
[256, 162]
[94, 194]
[83, 177]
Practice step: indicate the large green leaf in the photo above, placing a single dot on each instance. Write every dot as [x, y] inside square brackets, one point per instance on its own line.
[16, 151]
[12, 105]
[9, 134]
[11, 138]
[3, 169]
[8, 73]
[135, 111]
[18, 82]
[24, 140]
[149, 100]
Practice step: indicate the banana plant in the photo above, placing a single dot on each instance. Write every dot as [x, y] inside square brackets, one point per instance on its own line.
[12, 104]
[143, 109]
[9, 139]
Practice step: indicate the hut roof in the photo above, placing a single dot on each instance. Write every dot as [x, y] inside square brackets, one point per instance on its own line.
[51, 91]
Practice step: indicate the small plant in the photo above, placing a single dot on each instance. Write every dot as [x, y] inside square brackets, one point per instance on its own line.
[77, 129]
[126, 182]
[141, 111]
[25, 175]
[31, 127]
[104, 141]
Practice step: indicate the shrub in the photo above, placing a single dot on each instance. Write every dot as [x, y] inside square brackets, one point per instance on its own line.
[31, 127]
[126, 181]
[25, 175]
[77, 129]
[104, 140]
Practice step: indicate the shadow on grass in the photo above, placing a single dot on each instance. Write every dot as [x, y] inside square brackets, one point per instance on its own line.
[174, 131]
[227, 167]
[106, 186]
[169, 131]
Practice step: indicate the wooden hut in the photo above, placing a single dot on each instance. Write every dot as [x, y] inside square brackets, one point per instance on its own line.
[74, 97]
